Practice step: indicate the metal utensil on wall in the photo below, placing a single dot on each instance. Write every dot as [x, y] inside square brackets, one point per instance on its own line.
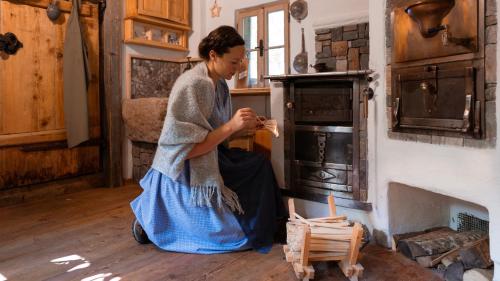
[298, 10]
[53, 11]
[300, 60]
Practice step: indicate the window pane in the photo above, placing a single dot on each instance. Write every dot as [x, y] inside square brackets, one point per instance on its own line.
[252, 69]
[250, 32]
[276, 28]
[276, 61]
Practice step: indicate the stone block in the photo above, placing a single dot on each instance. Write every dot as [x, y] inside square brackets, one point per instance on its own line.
[491, 8]
[358, 43]
[331, 63]
[322, 37]
[350, 27]
[341, 65]
[318, 46]
[478, 274]
[323, 55]
[144, 118]
[323, 31]
[490, 92]
[337, 34]
[353, 59]
[341, 57]
[367, 30]
[364, 50]
[491, 34]
[491, 20]
[327, 42]
[361, 30]
[490, 119]
[350, 35]
[327, 51]
[364, 61]
[490, 63]
[339, 48]
[442, 140]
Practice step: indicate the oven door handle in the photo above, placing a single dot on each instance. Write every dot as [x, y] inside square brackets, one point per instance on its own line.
[395, 113]
[466, 117]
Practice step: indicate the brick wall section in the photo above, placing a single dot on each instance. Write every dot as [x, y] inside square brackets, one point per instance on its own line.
[490, 86]
[347, 48]
[343, 48]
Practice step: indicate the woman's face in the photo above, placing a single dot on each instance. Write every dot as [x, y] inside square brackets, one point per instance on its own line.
[229, 63]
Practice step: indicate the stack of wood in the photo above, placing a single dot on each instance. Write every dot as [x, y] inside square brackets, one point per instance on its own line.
[458, 254]
[330, 238]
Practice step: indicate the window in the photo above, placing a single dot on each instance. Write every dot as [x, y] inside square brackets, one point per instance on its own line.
[265, 30]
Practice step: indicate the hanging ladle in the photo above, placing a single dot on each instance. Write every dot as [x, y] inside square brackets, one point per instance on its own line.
[53, 11]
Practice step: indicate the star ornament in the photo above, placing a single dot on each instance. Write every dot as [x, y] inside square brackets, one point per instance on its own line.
[215, 10]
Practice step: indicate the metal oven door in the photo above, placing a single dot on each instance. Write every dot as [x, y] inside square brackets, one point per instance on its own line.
[323, 159]
[437, 97]
[323, 102]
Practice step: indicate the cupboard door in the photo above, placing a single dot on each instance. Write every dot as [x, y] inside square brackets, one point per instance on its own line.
[153, 8]
[32, 133]
[177, 10]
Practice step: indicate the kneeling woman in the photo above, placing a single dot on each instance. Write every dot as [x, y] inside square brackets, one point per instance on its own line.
[200, 196]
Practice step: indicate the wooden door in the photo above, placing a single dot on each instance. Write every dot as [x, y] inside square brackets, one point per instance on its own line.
[154, 8]
[32, 133]
[178, 11]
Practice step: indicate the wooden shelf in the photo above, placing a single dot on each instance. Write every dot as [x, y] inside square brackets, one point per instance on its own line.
[167, 36]
[250, 92]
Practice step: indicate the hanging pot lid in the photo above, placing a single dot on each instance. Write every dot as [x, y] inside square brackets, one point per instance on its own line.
[298, 10]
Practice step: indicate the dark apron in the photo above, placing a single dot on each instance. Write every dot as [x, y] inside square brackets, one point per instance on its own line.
[251, 176]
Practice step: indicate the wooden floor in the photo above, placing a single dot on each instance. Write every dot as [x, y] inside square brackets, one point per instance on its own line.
[86, 236]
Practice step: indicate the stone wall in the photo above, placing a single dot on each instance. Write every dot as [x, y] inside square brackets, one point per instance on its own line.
[150, 79]
[490, 35]
[343, 48]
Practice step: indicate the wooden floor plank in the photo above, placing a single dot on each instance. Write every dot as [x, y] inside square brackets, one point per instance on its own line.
[95, 225]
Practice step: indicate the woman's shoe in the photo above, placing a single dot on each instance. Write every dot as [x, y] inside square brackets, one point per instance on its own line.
[139, 234]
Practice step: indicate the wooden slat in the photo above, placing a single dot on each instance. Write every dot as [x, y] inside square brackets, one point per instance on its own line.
[86, 10]
[34, 137]
[250, 92]
[304, 256]
[331, 206]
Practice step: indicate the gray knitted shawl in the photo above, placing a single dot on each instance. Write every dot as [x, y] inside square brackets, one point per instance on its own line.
[190, 106]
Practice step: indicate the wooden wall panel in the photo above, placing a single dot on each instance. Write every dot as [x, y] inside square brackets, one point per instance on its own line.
[32, 132]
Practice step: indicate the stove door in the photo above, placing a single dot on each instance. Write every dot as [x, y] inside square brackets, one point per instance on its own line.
[437, 97]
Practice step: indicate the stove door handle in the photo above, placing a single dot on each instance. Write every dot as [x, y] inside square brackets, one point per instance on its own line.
[466, 117]
[395, 113]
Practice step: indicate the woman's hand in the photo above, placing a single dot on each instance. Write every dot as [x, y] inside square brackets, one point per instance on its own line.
[243, 120]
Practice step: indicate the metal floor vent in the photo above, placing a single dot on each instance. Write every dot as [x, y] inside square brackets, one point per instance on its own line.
[468, 222]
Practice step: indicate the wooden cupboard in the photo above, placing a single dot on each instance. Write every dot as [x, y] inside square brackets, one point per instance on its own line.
[157, 23]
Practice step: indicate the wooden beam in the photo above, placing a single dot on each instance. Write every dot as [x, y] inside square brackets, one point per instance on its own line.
[111, 42]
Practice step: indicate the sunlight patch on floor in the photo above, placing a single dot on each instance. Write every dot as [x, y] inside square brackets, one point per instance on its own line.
[67, 259]
[101, 277]
[2, 277]
[72, 258]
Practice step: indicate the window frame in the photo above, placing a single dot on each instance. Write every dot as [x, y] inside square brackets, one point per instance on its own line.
[262, 11]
